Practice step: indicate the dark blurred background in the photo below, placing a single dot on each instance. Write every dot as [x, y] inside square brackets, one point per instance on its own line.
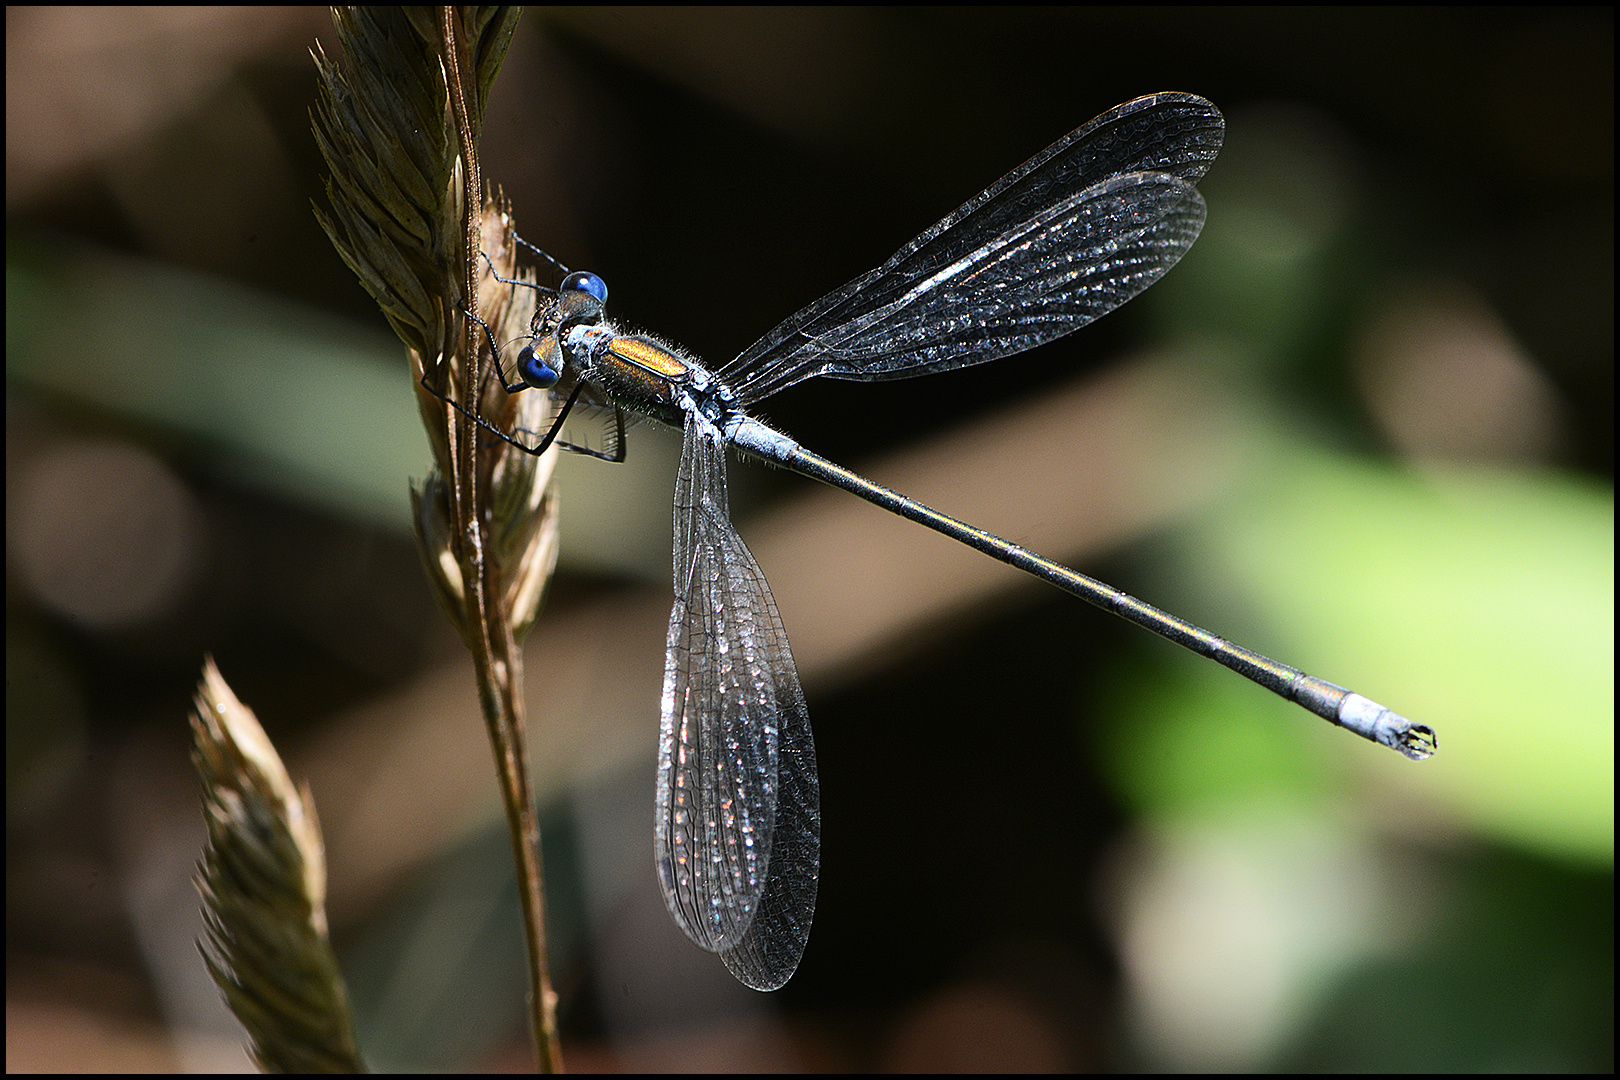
[1366, 426]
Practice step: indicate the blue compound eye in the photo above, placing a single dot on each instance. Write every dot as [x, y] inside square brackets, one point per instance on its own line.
[586, 282]
[534, 370]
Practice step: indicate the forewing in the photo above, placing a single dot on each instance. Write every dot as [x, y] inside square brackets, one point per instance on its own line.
[737, 819]
[1173, 135]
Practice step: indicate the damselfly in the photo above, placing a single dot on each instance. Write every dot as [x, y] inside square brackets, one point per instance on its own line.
[1067, 237]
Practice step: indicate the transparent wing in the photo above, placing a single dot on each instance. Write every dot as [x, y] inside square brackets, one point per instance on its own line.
[1100, 214]
[738, 819]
